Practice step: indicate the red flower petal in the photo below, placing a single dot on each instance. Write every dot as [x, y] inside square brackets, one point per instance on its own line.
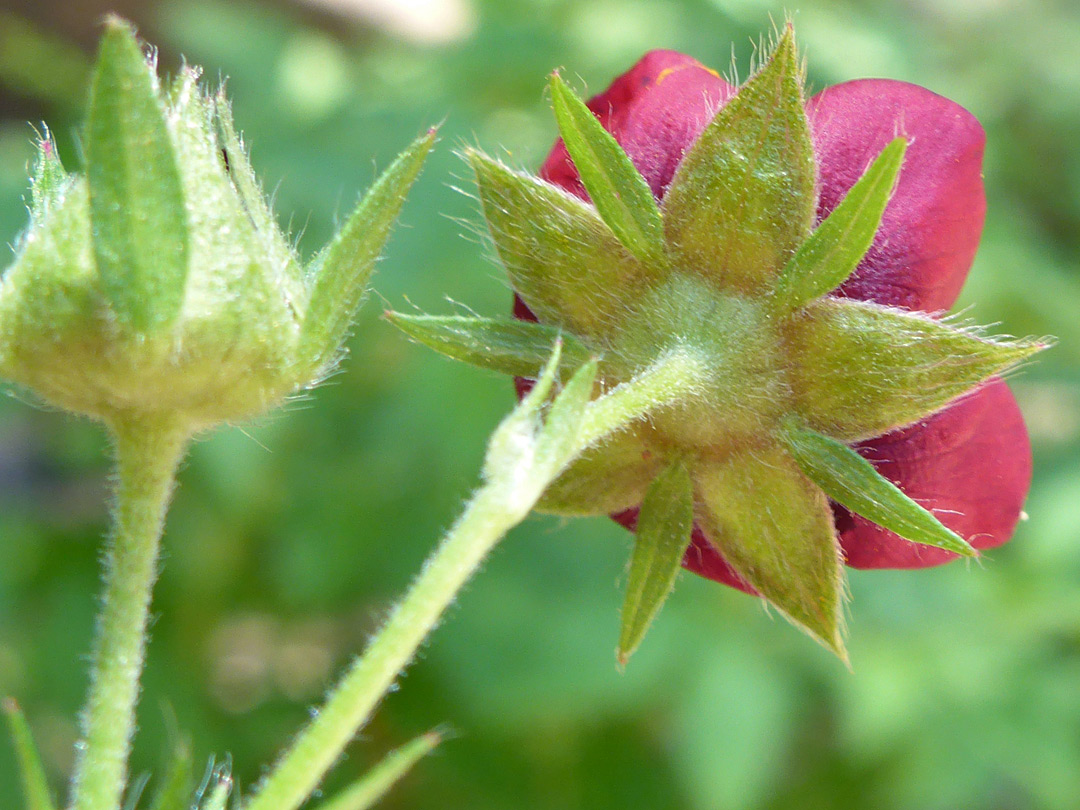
[932, 225]
[655, 111]
[969, 464]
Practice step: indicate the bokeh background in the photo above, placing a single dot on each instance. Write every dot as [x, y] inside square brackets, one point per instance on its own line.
[290, 538]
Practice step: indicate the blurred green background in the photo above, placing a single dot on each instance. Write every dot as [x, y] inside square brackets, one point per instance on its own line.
[289, 539]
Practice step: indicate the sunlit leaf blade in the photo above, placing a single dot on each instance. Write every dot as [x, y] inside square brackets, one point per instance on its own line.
[861, 370]
[177, 782]
[506, 345]
[341, 272]
[851, 480]
[376, 783]
[32, 773]
[743, 197]
[832, 252]
[562, 259]
[619, 192]
[663, 534]
[136, 198]
[775, 528]
[607, 478]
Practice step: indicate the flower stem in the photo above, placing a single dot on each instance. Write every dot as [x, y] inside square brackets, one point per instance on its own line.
[494, 509]
[147, 455]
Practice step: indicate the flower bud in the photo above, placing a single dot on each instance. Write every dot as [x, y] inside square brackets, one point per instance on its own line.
[158, 282]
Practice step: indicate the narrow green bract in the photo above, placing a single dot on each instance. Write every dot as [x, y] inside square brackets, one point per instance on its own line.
[369, 789]
[832, 252]
[850, 480]
[340, 275]
[507, 345]
[619, 192]
[663, 534]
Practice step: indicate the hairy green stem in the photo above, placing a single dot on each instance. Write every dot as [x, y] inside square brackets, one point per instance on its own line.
[147, 455]
[494, 509]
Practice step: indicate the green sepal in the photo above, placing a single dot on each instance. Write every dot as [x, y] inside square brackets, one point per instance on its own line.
[562, 259]
[607, 478]
[851, 480]
[664, 526]
[743, 199]
[832, 252]
[31, 772]
[339, 275]
[774, 526]
[505, 345]
[140, 233]
[859, 370]
[177, 782]
[619, 192]
[370, 788]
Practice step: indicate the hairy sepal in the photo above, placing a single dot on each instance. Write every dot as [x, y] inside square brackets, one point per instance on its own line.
[859, 370]
[743, 197]
[607, 478]
[774, 526]
[562, 259]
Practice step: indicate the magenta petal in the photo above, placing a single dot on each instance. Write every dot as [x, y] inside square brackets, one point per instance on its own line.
[655, 111]
[969, 464]
[931, 228]
[701, 557]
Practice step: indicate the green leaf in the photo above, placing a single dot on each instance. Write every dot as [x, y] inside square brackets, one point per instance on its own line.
[607, 478]
[619, 192]
[743, 197]
[851, 480]
[136, 198]
[562, 259]
[775, 528]
[340, 275]
[32, 773]
[860, 370]
[663, 534]
[832, 252]
[506, 345]
[376, 783]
